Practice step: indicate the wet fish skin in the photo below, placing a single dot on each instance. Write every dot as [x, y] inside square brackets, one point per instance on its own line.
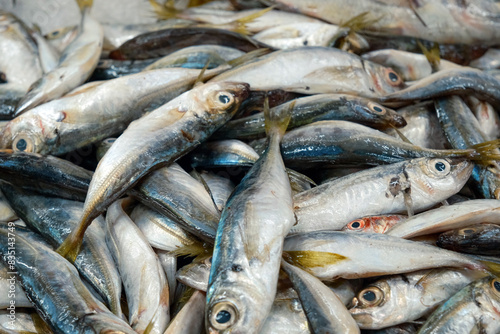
[315, 108]
[53, 218]
[19, 63]
[55, 176]
[450, 82]
[334, 204]
[188, 320]
[342, 143]
[324, 310]
[482, 239]
[144, 280]
[230, 152]
[404, 298]
[196, 274]
[329, 255]
[184, 122]
[54, 287]
[448, 217]
[249, 241]
[94, 111]
[162, 42]
[472, 309]
[75, 66]
[315, 70]
[161, 232]
[462, 130]
[173, 192]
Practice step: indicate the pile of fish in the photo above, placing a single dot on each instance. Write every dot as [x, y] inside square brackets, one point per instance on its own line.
[273, 166]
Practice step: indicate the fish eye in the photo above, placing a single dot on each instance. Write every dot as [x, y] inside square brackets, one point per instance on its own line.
[208, 261]
[225, 98]
[223, 315]
[23, 143]
[495, 284]
[371, 296]
[356, 225]
[377, 108]
[392, 77]
[467, 231]
[440, 166]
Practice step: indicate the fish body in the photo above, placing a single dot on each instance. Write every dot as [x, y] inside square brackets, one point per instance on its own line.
[249, 241]
[482, 239]
[379, 190]
[472, 309]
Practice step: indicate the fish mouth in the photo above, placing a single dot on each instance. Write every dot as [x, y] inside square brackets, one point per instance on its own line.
[241, 91]
[399, 121]
[462, 168]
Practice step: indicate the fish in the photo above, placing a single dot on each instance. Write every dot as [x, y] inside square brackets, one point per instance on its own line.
[19, 64]
[188, 320]
[54, 286]
[55, 176]
[397, 299]
[143, 277]
[76, 64]
[315, 70]
[6, 212]
[381, 190]
[249, 241]
[438, 21]
[315, 108]
[448, 217]
[163, 42]
[462, 131]
[329, 255]
[343, 143]
[481, 239]
[411, 66]
[325, 312]
[53, 218]
[177, 195]
[184, 123]
[97, 109]
[160, 231]
[472, 309]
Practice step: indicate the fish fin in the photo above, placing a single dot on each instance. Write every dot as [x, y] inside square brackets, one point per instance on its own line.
[277, 119]
[432, 55]
[401, 135]
[484, 152]
[200, 78]
[492, 267]
[247, 57]
[166, 11]
[312, 259]
[198, 250]
[293, 174]
[70, 247]
[241, 24]
[428, 275]
[40, 325]
[200, 179]
[349, 28]
[84, 4]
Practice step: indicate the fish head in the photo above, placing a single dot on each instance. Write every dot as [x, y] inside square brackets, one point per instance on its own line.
[375, 307]
[438, 178]
[385, 79]
[195, 274]
[222, 97]
[28, 133]
[373, 224]
[487, 294]
[378, 115]
[235, 304]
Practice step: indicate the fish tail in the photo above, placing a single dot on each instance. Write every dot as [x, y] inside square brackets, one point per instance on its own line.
[486, 152]
[241, 24]
[70, 247]
[248, 57]
[277, 119]
[432, 55]
[198, 250]
[164, 12]
[84, 4]
[492, 267]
